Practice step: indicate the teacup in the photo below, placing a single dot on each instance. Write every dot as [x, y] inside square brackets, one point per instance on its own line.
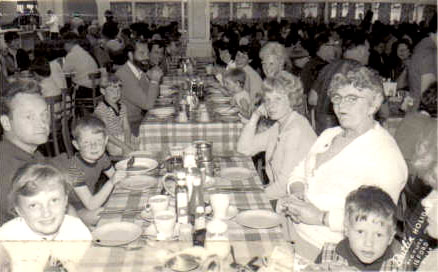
[220, 203]
[158, 203]
[165, 224]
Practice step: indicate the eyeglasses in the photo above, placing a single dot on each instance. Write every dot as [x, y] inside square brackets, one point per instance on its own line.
[349, 99]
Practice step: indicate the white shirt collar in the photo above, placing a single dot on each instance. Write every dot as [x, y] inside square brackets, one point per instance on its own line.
[137, 73]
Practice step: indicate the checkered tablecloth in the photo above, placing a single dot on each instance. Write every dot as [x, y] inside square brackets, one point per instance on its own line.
[159, 136]
[247, 242]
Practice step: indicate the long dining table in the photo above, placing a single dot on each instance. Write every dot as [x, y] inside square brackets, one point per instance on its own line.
[160, 134]
[126, 205]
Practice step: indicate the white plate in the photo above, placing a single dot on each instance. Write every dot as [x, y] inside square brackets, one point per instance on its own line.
[141, 165]
[258, 219]
[138, 183]
[226, 110]
[151, 232]
[162, 111]
[182, 262]
[220, 99]
[116, 234]
[236, 173]
[229, 118]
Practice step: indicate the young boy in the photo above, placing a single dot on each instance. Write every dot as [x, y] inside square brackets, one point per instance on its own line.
[369, 227]
[85, 167]
[234, 82]
[113, 113]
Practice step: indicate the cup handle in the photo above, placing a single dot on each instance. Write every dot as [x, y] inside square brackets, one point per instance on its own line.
[163, 183]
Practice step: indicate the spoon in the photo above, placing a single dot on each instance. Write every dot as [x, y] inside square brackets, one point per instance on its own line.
[234, 264]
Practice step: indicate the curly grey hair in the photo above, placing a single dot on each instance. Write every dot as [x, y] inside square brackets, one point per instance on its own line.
[355, 74]
[273, 49]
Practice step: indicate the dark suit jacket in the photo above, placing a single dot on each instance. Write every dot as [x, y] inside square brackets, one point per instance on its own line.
[138, 95]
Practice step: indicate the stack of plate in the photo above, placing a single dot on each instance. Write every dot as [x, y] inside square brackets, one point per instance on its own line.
[164, 101]
[167, 90]
[163, 112]
[225, 110]
[217, 99]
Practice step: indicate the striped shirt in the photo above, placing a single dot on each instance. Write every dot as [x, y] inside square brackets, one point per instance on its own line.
[112, 118]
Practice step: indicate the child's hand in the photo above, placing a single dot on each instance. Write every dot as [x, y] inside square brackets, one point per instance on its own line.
[117, 177]
[74, 174]
[243, 119]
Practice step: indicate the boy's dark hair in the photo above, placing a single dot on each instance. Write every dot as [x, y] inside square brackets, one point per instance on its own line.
[71, 37]
[370, 200]
[90, 122]
[320, 39]
[20, 86]
[132, 47]
[41, 67]
[353, 38]
[10, 36]
[155, 42]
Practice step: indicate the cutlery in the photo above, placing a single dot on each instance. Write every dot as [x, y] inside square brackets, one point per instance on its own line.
[234, 264]
[121, 211]
[130, 163]
[236, 189]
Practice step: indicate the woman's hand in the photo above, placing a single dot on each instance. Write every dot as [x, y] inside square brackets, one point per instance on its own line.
[297, 189]
[303, 211]
[259, 112]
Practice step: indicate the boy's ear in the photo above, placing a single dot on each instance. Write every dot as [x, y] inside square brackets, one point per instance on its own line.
[346, 226]
[106, 139]
[393, 232]
[18, 211]
[75, 144]
[6, 123]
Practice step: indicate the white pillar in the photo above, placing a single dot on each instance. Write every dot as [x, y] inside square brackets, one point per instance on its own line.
[183, 15]
[231, 10]
[102, 6]
[327, 12]
[199, 44]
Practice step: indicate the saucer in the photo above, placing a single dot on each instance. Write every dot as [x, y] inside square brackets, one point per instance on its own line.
[151, 233]
[231, 212]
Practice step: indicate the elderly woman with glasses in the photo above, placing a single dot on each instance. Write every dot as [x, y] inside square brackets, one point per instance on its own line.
[274, 57]
[358, 152]
[286, 143]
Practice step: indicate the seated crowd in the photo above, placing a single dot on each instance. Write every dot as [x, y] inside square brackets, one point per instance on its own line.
[353, 193]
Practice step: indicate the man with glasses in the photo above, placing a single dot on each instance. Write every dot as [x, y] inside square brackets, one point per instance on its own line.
[355, 47]
[323, 52]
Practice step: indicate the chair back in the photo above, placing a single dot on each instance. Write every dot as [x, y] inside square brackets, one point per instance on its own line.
[87, 105]
[61, 108]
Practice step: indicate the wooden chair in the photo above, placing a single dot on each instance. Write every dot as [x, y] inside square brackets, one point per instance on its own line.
[61, 109]
[87, 105]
